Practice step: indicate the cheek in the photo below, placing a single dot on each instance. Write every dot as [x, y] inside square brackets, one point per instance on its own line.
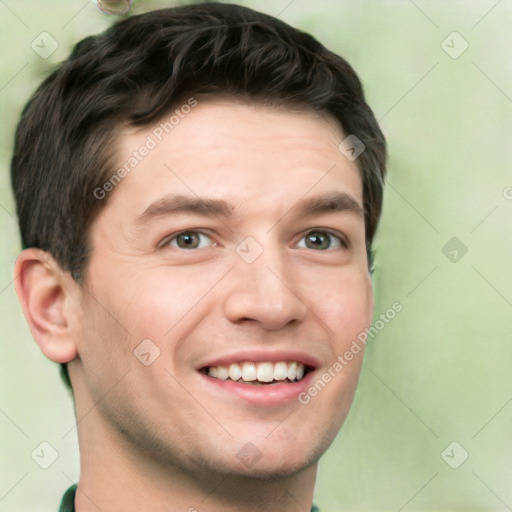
[104, 350]
[163, 306]
[155, 301]
[345, 305]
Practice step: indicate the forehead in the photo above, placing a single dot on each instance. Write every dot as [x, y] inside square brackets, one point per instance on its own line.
[234, 151]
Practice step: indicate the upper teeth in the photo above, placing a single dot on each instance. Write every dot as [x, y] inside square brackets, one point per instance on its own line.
[261, 372]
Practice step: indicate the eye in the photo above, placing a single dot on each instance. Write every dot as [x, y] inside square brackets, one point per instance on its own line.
[321, 240]
[189, 240]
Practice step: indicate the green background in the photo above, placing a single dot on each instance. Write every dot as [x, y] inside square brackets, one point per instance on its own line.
[441, 371]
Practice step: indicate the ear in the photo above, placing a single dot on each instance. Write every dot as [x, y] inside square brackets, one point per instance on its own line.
[46, 294]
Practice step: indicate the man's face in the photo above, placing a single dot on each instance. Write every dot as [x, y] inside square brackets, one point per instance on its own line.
[236, 244]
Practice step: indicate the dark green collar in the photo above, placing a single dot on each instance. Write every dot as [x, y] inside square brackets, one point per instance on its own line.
[68, 500]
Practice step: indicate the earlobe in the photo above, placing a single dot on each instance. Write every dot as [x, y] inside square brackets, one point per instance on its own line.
[45, 294]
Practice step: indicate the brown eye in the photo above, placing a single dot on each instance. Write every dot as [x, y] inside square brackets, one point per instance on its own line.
[320, 240]
[190, 240]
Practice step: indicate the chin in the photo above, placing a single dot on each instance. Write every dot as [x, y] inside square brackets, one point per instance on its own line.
[271, 470]
[274, 463]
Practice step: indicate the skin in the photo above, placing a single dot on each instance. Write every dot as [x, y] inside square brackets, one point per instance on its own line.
[164, 437]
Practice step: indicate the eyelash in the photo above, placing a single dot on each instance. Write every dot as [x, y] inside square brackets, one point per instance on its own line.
[343, 243]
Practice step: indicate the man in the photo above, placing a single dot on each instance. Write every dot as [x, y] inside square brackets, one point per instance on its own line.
[198, 189]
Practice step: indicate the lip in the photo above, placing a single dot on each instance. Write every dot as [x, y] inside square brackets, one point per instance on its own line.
[261, 356]
[264, 395]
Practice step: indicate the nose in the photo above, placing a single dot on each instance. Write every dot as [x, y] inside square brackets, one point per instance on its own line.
[265, 291]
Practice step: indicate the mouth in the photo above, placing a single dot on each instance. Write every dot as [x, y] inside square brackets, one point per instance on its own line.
[261, 373]
[260, 377]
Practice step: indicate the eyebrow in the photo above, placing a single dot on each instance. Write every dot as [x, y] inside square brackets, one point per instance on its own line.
[339, 202]
[330, 202]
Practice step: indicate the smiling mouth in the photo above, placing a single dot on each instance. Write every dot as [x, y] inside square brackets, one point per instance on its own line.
[260, 373]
